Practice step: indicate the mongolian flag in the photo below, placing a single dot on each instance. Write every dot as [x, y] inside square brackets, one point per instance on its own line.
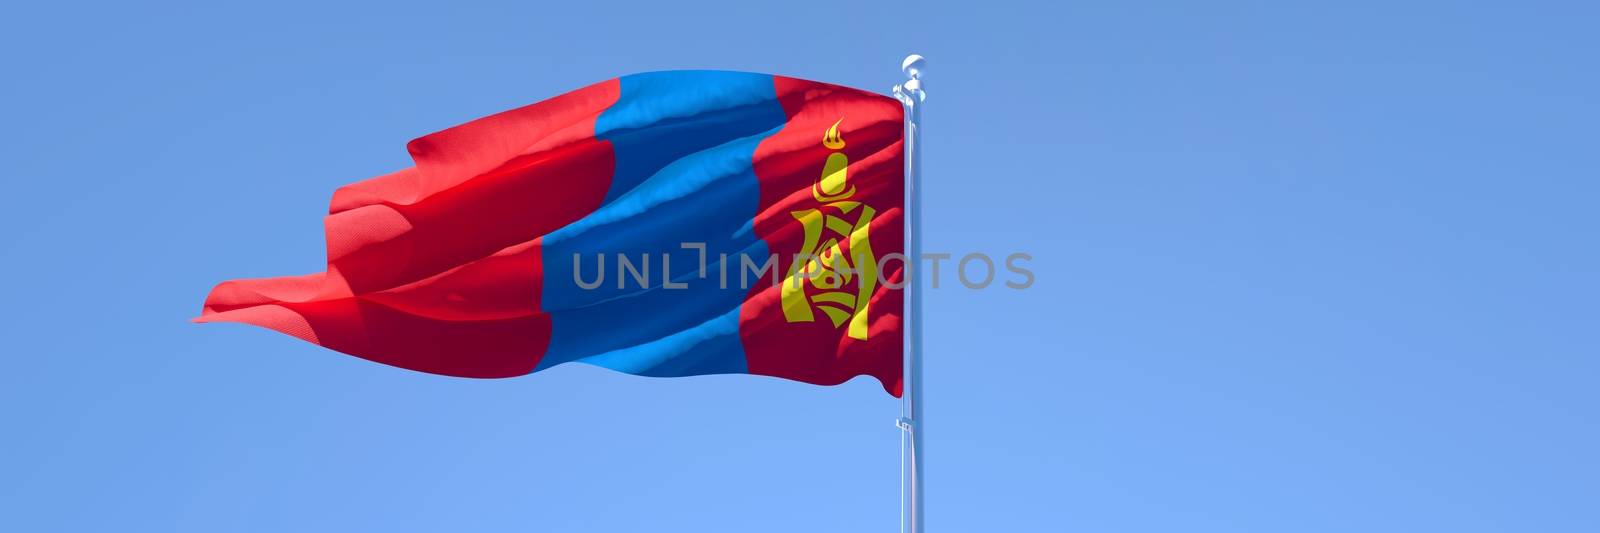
[661, 224]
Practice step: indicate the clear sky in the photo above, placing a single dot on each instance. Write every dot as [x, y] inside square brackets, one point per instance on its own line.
[1298, 269]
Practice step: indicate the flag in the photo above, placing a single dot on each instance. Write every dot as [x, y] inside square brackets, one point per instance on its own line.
[624, 225]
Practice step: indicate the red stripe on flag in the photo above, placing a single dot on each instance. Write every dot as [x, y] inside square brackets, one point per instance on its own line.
[437, 268]
[787, 164]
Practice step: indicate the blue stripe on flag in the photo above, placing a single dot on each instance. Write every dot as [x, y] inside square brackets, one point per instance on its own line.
[684, 142]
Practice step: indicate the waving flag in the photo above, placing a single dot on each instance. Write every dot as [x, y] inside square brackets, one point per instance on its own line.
[625, 225]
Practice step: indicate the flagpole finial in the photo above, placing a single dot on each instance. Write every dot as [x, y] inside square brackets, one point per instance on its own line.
[911, 92]
[913, 66]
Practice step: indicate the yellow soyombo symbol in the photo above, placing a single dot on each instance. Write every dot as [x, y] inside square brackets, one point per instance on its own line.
[823, 274]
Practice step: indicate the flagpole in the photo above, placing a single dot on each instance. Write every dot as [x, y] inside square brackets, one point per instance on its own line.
[911, 417]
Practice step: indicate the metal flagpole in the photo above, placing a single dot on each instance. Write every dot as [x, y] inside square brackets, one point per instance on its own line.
[911, 420]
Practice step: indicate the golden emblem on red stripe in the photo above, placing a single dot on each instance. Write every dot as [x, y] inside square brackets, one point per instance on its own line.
[835, 271]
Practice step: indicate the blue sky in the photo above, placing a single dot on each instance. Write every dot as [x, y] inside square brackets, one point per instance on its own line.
[1317, 268]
